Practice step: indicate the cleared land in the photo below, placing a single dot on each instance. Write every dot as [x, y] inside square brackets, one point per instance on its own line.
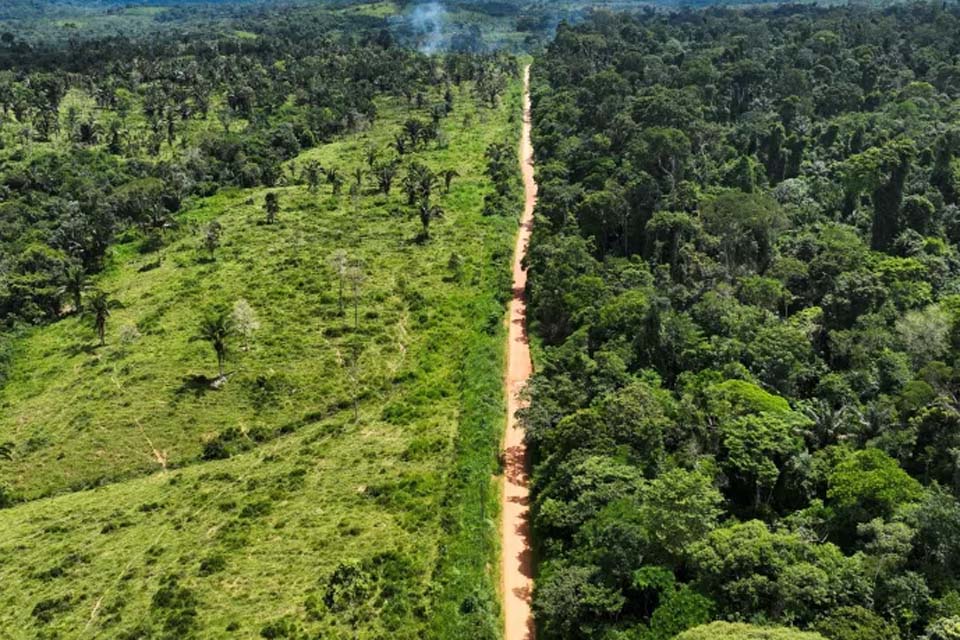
[317, 519]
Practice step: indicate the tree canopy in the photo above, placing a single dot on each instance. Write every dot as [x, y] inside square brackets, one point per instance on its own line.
[743, 275]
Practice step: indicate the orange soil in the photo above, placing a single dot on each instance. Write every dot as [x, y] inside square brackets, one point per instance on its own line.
[517, 558]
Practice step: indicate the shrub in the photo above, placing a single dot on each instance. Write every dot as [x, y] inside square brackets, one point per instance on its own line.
[212, 564]
[740, 631]
[175, 606]
[856, 623]
[6, 497]
[45, 610]
[284, 628]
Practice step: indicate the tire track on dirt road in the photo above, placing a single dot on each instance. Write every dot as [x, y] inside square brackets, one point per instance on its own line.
[517, 554]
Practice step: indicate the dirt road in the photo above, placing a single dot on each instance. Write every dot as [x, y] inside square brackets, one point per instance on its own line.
[517, 557]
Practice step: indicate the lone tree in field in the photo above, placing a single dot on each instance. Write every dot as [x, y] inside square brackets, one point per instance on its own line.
[311, 175]
[272, 207]
[400, 143]
[245, 320]
[419, 185]
[100, 308]
[75, 281]
[385, 172]
[356, 277]
[335, 179]
[339, 261]
[415, 131]
[211, 237]
[372, 154]
[428, 212]
[419, 182]
[217, 328]
[448, 175]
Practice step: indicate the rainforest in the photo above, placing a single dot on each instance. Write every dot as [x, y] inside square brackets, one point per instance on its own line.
[479, 319]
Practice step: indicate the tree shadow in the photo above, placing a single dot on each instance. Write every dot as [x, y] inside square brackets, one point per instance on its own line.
[196, 385]
[150, 266]
[75, 349]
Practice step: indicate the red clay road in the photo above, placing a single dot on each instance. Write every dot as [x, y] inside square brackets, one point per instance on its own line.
[517, 560]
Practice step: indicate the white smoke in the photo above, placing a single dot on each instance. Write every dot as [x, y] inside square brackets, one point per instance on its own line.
[428, 21]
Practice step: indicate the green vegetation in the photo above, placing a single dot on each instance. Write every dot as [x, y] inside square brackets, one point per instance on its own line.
[744, 281]
[729, 631]
[234, 400]
[253, 264]
[382, 490]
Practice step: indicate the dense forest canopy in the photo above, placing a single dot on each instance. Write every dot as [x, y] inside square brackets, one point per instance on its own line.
[745, 278]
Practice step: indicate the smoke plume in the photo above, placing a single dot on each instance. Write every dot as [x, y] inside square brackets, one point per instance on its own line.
[428, 20]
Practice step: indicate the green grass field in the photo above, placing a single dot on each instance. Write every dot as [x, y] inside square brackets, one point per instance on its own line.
[371, 525]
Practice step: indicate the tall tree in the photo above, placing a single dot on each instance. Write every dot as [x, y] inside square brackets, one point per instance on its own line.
[272, 206]
[311, 174]
[217, 328]
[75, 282]
[340, 263]
[99, 305]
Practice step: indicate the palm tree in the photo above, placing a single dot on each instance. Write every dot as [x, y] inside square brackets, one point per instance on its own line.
[829, 424]
[216, 328]
[311, 174]
[428, 213]
[448, 99]
[400, 143]
[335, 179]
[100, 306]
[385, 173]
[372, 155]
[158, 217]
[413, 129]
[448, 175]
[75, 281]
[117, 137]
[437, 113]
[427, 180]
[6, 450]
[272, 206]
[358, 174]
[419, 182]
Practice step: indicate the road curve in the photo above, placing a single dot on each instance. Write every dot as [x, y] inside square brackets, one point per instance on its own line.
[517, 556]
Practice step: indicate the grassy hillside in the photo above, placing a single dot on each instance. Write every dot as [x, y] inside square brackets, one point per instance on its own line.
[342, 431]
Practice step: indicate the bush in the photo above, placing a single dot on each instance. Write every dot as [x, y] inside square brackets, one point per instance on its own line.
[45, 610]
[6, 497]
[212, 564]
[232, 441]
[740, 631]
[944, 629]
[175, 606]
[284, 628]
[856, 623]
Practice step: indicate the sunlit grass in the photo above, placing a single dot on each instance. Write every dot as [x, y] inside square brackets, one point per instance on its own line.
[315, 486]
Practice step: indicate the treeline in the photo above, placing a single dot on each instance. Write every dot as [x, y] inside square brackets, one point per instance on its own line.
[744, 275]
